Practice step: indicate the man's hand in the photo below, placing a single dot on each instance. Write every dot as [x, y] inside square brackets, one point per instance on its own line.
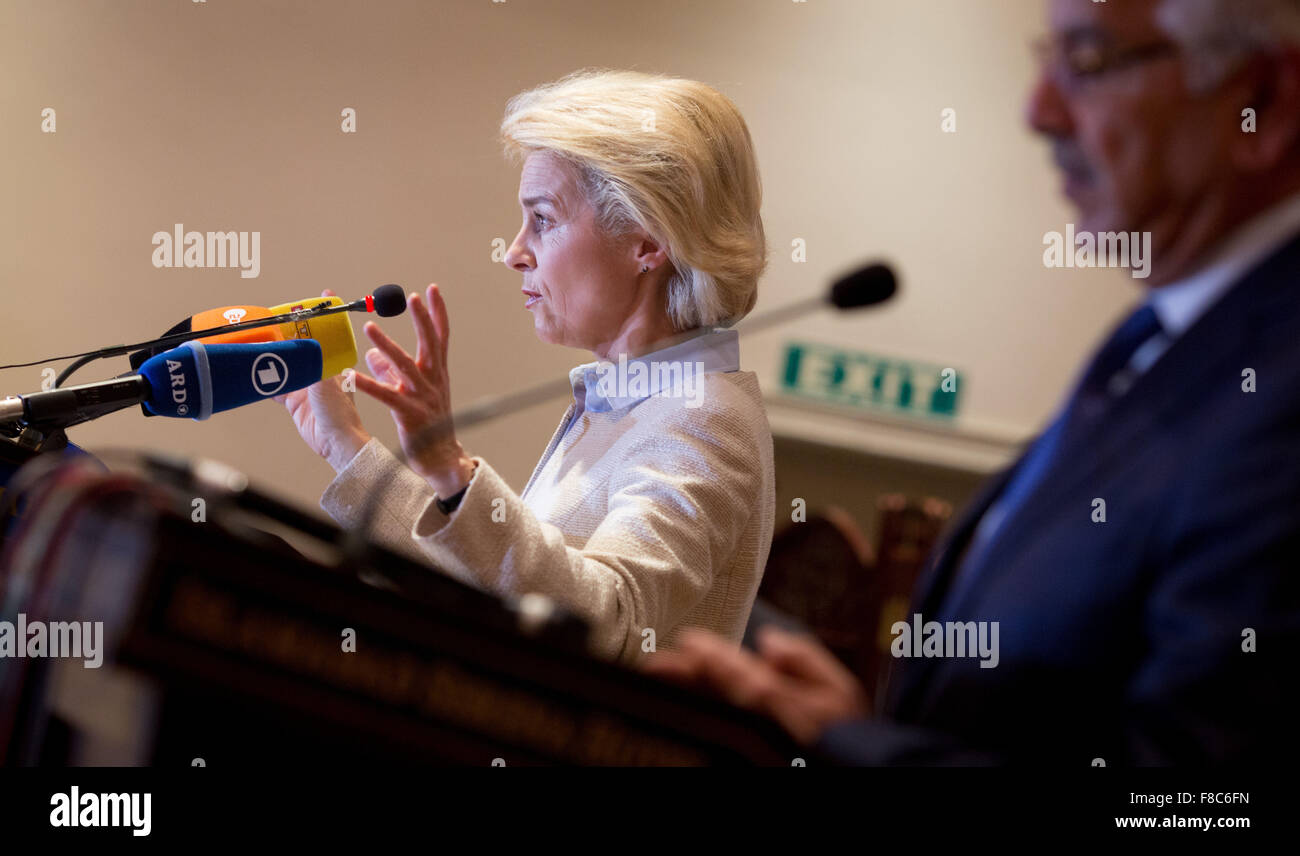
[792, 679]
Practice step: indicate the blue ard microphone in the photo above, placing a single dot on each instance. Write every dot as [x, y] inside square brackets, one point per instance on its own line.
[195, 380]
[192, 381]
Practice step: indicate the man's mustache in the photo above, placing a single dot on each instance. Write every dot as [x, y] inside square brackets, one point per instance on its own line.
[1070, 160]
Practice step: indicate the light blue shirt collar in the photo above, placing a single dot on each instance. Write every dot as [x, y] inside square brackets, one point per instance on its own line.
[604, 385]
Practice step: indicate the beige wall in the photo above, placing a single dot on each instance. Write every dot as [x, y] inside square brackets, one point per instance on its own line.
[225, 115]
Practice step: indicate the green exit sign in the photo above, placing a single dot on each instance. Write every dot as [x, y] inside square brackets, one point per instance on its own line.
[855, 379]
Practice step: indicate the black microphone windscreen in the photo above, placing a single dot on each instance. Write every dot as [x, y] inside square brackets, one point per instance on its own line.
[390, 300]
[872, 284]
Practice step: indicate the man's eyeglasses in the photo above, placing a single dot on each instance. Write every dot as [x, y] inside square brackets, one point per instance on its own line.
[1078, 63]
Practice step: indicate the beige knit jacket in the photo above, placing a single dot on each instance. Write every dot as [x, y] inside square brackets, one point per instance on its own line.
[644, 520]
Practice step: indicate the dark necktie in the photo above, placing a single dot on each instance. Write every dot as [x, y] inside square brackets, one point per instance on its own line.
[1106, 379]
[1108, 376]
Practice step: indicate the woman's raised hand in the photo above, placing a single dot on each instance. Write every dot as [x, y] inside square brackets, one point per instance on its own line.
[327, 418]
[418, 394]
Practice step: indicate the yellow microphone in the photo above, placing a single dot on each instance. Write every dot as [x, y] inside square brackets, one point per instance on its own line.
[334, 332]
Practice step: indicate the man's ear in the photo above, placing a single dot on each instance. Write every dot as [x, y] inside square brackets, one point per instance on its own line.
[649, 254]
[1275, 100]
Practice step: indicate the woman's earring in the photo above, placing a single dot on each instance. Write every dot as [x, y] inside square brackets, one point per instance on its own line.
[645, 268]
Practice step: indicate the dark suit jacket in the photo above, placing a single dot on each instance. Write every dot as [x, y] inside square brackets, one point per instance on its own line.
[1123, 640]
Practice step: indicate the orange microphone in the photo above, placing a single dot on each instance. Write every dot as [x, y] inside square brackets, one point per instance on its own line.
[235, 315]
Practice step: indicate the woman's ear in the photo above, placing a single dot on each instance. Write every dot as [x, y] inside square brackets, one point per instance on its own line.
[648, 254]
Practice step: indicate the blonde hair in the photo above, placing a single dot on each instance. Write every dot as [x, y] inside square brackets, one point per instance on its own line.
[669, 155]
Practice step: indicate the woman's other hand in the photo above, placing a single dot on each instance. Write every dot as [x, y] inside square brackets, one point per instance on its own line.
[327, 418]
[418, 394]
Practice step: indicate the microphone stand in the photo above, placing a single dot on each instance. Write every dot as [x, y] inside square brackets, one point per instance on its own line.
[20, 440]
[20, 443]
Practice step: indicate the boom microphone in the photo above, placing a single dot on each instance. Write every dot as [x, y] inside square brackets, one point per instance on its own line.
[193, 381]
[866, 286]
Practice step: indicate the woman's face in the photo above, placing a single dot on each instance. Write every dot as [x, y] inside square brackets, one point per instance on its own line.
[581, 286]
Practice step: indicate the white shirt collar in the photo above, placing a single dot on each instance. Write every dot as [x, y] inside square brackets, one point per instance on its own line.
[1179, 304]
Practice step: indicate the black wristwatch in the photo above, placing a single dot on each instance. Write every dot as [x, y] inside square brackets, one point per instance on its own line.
[451, 503]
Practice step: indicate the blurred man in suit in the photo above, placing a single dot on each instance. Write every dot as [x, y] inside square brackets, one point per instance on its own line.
[1141, 561]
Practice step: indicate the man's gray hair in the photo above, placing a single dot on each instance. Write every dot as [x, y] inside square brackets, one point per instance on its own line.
[1218, 34]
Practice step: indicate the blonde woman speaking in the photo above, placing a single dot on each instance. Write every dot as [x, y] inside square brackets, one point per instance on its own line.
[652, 506]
